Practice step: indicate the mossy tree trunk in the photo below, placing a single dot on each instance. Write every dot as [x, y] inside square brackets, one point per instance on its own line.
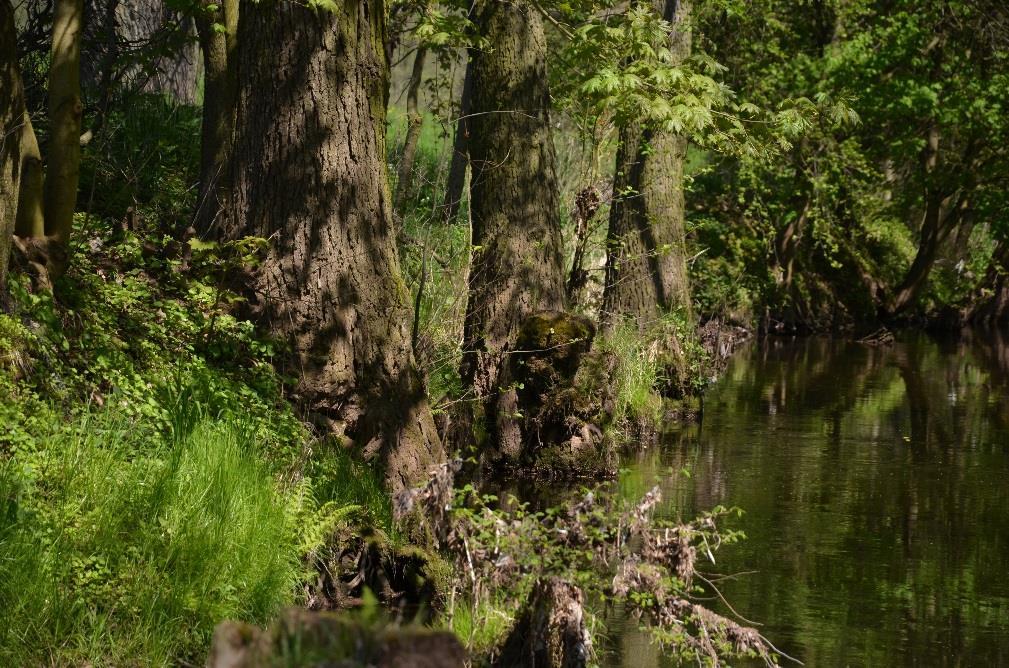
[12, 115]
[646, 270]
[65, 109]
[308, 174]
[516, 268]
[219, 48]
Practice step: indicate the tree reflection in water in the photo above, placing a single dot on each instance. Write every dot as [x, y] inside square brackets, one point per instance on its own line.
[876, 487]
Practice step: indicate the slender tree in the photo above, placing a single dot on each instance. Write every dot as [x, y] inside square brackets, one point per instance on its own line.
[456, 184]
[516, 267]
[646, 271]
[31, 221]
[308, 174]
[217, 28]
[414, 125]
[65, 109]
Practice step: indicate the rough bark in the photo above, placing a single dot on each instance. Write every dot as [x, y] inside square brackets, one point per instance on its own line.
[646, 271]
[65, 108]
[175, 73]
[456, 183]
[12, 115]
[414, 124]
[219, 49]
[516, 268]
[308, 174]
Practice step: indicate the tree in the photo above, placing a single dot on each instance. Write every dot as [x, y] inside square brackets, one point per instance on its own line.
[414, 125]
[991, 304]
[646, 270]
[46, 202]
[12, 115]
[65, 110]
[308, 174]
[517, 265]
[165, 30]
[217, 28]
[456, 183]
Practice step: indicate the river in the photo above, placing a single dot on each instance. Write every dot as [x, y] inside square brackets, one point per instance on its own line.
[875, 485]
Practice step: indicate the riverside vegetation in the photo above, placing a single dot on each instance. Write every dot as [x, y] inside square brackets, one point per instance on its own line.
[290, 288]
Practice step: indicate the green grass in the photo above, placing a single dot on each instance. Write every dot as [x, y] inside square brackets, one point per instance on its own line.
[120, 551]
[636, 374]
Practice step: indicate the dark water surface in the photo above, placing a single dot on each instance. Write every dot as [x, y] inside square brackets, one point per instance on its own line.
[876, 488]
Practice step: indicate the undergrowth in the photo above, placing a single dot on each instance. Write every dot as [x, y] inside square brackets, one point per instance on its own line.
[154, 479]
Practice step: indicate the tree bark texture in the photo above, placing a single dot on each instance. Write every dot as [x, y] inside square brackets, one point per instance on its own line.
[65, 109]
[414, 124]
[646, 270]
[12, 115]
[219, 53]
[176, 73]
[516, 269]
[308, 174]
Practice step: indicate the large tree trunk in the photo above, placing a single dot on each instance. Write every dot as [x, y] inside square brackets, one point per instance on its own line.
[308, 174]
[517, 261]
[646, 270]
[414, 124]
[456, 184]
[219, 49]
[12, 115]
[65, 108]
[176, 73]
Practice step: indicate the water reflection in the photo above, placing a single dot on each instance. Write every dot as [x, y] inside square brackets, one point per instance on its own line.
[876, 488]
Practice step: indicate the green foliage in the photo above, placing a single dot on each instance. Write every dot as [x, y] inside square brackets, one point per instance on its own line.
[907, 73]
[615, 549]
[435, 257]
[127, 166]
[153, 478]
[636, 377]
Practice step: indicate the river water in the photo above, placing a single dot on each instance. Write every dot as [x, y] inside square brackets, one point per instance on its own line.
[875, 484]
